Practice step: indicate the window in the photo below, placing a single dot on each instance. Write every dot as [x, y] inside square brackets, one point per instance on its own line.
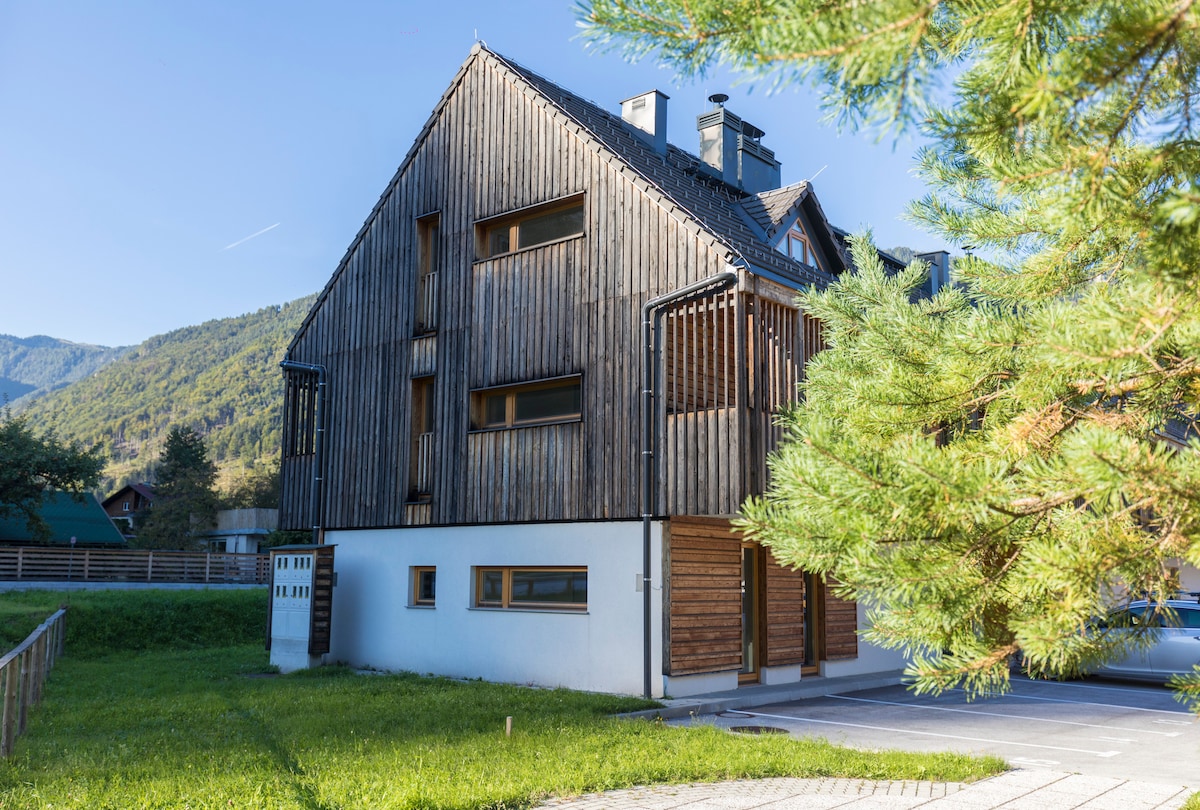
[428, 242]
[420, 463]
[796, 245]
[125, 506]
[424, 585]
[533, 588]
[529, 228]
[536, 403]
[300, 414]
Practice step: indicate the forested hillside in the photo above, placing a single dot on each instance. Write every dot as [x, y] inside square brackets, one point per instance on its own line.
[220, 378]
[37, 365]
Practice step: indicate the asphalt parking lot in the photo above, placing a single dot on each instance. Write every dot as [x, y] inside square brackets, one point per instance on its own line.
[1093, 726]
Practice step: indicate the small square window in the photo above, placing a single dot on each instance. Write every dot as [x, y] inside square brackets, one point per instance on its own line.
[424, 585]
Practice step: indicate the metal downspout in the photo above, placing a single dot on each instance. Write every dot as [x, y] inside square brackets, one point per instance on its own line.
[652, 312]
[314, 504]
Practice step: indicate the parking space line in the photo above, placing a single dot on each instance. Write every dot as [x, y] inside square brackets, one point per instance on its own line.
[1129, 690]
[1085, 703]
[935, 734]
[1010, 716]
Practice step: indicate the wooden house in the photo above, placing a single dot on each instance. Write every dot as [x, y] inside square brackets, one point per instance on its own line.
[124, 505]
[465, 417]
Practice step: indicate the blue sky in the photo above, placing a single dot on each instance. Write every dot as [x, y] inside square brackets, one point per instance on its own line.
[164, 164]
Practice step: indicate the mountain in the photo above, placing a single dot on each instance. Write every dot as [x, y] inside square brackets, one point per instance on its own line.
[220, 378]
[34, 366]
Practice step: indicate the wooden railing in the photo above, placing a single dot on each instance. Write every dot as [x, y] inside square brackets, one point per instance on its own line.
[36, 564]
[23, 674]
[424, 449]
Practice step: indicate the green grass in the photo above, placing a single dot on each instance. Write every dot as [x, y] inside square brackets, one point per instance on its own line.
[196, 729]
[1193, 803]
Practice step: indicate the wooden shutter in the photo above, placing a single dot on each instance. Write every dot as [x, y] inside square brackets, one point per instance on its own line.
[841, 626]
[704, 593]
[784, 615]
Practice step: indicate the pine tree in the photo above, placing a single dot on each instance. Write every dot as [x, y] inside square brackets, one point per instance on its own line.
[185, 501]
[991, 470]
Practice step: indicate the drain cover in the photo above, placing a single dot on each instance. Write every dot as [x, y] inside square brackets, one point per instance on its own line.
[758, 730]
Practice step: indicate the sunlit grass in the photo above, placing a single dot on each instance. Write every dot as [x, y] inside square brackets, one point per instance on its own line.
[209, 727]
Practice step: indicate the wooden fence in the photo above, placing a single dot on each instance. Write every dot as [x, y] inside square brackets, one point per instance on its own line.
[37, 564]
[23, 674]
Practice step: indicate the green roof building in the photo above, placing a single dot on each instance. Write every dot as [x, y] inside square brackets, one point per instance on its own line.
[83, 520]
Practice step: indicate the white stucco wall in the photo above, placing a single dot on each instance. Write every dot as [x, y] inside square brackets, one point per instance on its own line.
[870, 658]
[598, 650]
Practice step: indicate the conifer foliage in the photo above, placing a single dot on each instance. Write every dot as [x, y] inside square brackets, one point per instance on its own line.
[993, 469]
[185, 501]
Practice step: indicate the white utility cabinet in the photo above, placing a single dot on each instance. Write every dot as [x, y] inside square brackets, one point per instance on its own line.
[302, 582]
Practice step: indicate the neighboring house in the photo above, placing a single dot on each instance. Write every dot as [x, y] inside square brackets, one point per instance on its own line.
[239, 531]
[82, 521]
[124, 504]
[475, 367]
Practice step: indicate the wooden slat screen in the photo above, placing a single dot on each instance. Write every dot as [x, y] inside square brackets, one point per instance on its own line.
[784, 615]
[698, 352]
[704, 576]
[841, 626]
[322, 601]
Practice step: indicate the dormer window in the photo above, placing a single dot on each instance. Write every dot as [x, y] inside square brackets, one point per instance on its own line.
[796, 245]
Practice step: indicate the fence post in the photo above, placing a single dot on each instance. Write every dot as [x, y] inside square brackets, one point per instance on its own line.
[87, 561]
[23, 660]
[207, 566]
[20, 561]
[8, 733]
[150, 567]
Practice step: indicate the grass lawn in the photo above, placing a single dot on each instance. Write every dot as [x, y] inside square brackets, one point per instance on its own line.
[202, 728]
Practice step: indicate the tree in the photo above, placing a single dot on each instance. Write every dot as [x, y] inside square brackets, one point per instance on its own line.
[987, 470]
[185, 501]
[258, 489]
[31, 464]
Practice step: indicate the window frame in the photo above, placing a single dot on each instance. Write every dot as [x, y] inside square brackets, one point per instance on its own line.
[512, 221]
[428, 228]
[506, 601]
[480, 397]
[416, 572]
[796, 234]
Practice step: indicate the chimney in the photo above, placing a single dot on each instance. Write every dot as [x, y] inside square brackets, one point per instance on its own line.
[646, 116]
[939, 270]
[731, 148]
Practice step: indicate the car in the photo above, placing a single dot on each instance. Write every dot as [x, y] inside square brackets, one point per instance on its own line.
[1175, 648]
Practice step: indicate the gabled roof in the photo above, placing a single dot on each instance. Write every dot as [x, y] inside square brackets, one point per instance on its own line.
[84, 520]
[710, 207]
[145, 490]
[682, 182]
[774, 211]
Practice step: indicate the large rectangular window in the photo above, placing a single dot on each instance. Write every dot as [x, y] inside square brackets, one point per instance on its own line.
[529, 227]
[533, 588]
[535, 403]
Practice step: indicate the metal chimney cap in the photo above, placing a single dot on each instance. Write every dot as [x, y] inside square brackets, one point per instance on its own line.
[719, 99]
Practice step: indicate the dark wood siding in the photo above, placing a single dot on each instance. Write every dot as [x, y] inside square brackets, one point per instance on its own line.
[704, 595]
[570, 307]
